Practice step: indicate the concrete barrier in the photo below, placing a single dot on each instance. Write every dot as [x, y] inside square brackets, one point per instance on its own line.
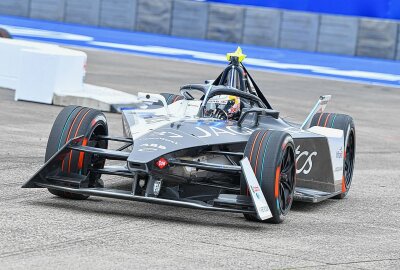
[10, 64]
[225, 22]
[101, 98]
[37, 70]
[189, 19]
[53, 10]
[61, 70]
[299, 31]
[377, 38]
[15, 7]
[118, 14]
[83, 12]
[338, 34]
[261, 26]
[48, 73]
[154, 16]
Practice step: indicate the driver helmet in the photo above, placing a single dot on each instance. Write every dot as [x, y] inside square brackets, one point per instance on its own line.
[229, 105]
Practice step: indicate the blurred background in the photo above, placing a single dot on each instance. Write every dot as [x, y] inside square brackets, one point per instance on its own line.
[366, 28]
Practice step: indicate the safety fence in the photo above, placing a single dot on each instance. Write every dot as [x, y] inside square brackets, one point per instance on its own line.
[313, 32]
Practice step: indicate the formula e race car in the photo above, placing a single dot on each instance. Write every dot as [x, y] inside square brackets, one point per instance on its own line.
[217, 146]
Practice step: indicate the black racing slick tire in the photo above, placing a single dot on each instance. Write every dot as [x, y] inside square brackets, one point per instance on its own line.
[71, 122]
[272, 156]
[4, 33]
[345, 123]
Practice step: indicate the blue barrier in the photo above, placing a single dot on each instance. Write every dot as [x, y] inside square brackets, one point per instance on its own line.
[365, 70]
[388, 9]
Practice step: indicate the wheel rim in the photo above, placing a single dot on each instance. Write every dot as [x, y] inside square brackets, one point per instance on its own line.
[349, 160]
[287, 180]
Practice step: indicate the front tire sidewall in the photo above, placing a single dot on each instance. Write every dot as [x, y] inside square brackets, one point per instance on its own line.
[350, 131]
[75, 121]
[265, 150]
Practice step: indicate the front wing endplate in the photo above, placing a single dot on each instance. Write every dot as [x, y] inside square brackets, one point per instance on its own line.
[260, 204]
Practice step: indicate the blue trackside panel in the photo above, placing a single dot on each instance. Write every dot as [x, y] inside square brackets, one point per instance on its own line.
[389, 9]
[357, 69]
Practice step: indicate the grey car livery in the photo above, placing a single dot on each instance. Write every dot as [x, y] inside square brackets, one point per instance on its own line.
[217, 146]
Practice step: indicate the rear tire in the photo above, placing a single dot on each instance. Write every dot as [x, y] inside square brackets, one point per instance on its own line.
[345, 123]
[71, 122]
[272, 156]
[4, 33]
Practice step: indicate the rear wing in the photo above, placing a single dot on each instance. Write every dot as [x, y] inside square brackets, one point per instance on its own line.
[318, 108]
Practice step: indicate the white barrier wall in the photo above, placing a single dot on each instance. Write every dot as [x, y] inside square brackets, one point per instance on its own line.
[44, 73]
[37, 70]
[10, 55]
[51, 74]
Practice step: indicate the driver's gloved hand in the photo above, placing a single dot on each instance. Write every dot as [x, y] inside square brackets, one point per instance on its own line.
[220, 114]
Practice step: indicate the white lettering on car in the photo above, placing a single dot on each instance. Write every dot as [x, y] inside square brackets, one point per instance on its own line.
[150, 147]
[308, 161]
[206, 133]
[169, 134]
[218, 131]
[227, 130]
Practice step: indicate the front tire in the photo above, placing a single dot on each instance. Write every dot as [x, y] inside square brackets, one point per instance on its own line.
[345, 123]
[71, 122]
[272, 156]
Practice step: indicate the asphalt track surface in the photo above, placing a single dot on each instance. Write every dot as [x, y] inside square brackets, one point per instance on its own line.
[40, 231]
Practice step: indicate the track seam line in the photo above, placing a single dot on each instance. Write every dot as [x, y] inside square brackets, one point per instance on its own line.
[260, 251]
[68, 243]
[349, 263]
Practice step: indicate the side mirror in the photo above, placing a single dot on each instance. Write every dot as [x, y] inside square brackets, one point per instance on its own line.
[258, 112]
[153, 98]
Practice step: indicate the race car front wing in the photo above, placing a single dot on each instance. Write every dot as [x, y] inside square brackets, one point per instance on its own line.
[50, 176]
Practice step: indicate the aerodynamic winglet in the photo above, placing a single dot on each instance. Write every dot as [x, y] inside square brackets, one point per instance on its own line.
[260, 204]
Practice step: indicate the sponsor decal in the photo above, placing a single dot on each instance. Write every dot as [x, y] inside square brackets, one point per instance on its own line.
[306, 167]
[338, 169]
[162, 139]
[157, 187]
[168, 134]
[150, 147]
[256, 191]
[216, 131]
[205, 134]
[339, 153]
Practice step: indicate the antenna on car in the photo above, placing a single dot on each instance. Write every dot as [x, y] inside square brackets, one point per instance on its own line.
[236, 57]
